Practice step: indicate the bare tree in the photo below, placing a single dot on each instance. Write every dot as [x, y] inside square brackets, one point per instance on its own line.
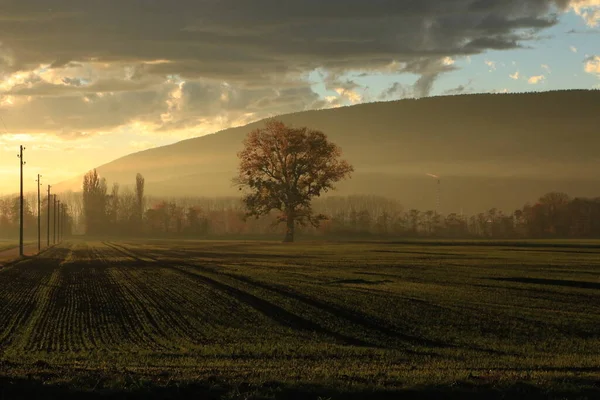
[139, 195]
[94, 202]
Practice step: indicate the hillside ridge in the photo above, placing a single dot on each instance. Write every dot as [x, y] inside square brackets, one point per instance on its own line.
[490, 149]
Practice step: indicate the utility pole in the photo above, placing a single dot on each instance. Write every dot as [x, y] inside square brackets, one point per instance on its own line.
[65, 220]
[48, 227]
[39, 184]
[58, 222]
[66, 217]
[20, 155]
[54, 220]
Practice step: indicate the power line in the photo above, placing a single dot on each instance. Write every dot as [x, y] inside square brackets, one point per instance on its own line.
[3, 124]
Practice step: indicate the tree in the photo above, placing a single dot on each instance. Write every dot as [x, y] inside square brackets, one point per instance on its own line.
[94, 202]
[284, 168]
[139, 196]
[197, 223]
[113, 206]
[413, 218]
[455, 225]
[555, 206]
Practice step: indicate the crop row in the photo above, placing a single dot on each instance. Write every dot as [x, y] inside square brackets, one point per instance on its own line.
[84, 310]
[21, 288]
[86, 297]
[286, 308]
[185, 309]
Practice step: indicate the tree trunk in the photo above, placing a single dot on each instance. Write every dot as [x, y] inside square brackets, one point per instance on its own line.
[289, 234]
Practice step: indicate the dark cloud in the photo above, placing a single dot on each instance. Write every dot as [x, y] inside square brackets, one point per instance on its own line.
[263, 49]
[73, 81]
[76, 86]
[87, 114]
[263, 35]
[424, 84]
[460, 89]
[396, 91]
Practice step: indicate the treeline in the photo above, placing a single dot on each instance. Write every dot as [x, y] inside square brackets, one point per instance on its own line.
[9, 217]
[130, 212]
[554, 215]
[104, 213]
[127, 211]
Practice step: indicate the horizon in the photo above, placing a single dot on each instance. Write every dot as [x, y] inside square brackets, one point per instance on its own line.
[73, 183]
[76, 176]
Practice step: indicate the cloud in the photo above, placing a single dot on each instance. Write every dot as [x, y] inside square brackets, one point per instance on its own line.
[592, 65]
[491, 65]
[515, 76]
[589, 10]
[573, 49]
[547, 68]
[98, 66]
[396, 91]
[423, 85]
[351, 95]
[534, 80]
[448, 61]
[460, 89]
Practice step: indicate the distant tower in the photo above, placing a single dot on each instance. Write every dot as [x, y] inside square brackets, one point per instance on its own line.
[439, 196]
[438, 200]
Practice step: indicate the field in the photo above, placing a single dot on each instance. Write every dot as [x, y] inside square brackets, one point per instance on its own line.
[333, 320]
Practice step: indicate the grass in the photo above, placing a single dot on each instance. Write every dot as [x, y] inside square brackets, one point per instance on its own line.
[229, 319]
[11, 244]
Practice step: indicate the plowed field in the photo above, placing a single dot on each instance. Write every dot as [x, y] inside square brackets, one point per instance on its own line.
[336, 320]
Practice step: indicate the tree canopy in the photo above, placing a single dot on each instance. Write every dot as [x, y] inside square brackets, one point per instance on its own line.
[282, 168]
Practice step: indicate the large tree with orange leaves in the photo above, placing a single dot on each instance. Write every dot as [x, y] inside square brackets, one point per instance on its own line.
[282, 168]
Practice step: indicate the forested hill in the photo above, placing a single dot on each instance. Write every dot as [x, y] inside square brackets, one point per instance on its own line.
[491, 150]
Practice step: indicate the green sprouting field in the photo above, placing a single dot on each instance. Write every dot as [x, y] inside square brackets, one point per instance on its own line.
[245, 320]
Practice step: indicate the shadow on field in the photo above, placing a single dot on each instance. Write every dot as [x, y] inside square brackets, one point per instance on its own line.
[359, 282]
[284, 317]
[233, 256]
[553, 282]
[241, 255]
[423, 253]
[18, 388]
[576, 250]
[523, 244]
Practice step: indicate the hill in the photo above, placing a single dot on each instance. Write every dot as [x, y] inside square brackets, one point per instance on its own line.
[491, 150]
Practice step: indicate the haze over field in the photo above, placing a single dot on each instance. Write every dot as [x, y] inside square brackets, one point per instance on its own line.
[85, 82]
[489, 150]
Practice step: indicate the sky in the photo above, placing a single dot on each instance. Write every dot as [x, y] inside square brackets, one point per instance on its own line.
[85, 82]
